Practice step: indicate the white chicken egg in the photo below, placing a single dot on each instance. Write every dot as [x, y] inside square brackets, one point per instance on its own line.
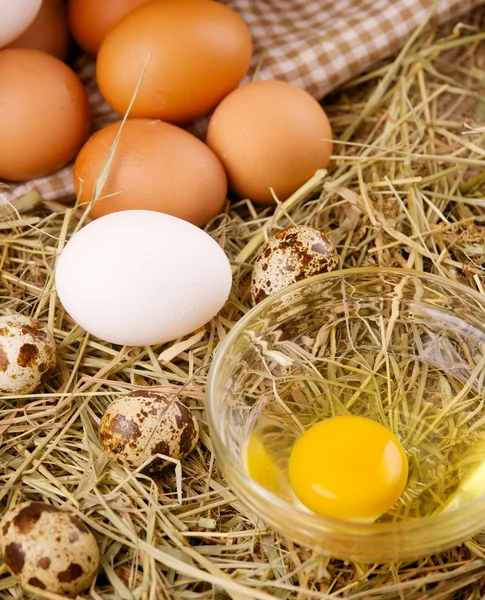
[15, 17]
[139, 277]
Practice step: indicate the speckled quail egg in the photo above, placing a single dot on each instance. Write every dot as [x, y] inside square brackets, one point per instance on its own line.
[27, 354]
[144, 423]
[49, 548]
[289, 256]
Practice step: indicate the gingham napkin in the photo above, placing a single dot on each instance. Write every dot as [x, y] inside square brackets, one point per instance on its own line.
[314, 44]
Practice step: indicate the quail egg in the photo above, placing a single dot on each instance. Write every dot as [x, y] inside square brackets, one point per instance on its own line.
[289, 256]
[48, 548]
[27, 354]
[142, 424]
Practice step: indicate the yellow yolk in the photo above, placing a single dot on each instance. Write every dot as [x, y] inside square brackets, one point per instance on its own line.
[348, 468]
[260, 466]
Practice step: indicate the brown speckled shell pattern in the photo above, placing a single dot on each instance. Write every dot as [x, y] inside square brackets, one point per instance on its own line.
[48, 548]
[27, 354]
[289, 256]
[143, 424]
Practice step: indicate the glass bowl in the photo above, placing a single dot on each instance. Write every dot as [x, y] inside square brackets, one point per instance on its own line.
[400, 347]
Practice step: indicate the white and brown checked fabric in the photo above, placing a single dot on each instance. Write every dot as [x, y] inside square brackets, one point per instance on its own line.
[314, 44]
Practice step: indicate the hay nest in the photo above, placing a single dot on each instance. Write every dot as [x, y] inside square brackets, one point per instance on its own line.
[406, 189]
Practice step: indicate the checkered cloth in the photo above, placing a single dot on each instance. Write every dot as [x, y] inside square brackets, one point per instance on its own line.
[314, 44]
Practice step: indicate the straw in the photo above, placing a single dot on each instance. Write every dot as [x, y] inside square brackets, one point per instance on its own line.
[405, 188]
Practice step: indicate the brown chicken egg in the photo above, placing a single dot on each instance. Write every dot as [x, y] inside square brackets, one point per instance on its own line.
[48, 32]
[289, 256]
[27, 354]
[270, 134]
[185, 56]
[49, 549]
[44, 114]
[156, 166]
[90, 20]
[142, 424]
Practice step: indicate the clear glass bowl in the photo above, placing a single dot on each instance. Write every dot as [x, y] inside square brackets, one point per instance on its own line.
[401, 347]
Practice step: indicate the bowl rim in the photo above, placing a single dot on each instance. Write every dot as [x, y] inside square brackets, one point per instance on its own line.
[319, 523]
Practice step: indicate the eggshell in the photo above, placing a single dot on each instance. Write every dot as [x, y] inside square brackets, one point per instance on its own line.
[140, 277]
[289, 256]
[48, 548]
[48, 31]
[270, 134]
[194, 54]
[90, 20]
[44, 114]
[27, 354]
[140, 425]
[15, 17]
[156, 166]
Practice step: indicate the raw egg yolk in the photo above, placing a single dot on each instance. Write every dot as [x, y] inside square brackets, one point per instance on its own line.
[350, 468]
[260, 466]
